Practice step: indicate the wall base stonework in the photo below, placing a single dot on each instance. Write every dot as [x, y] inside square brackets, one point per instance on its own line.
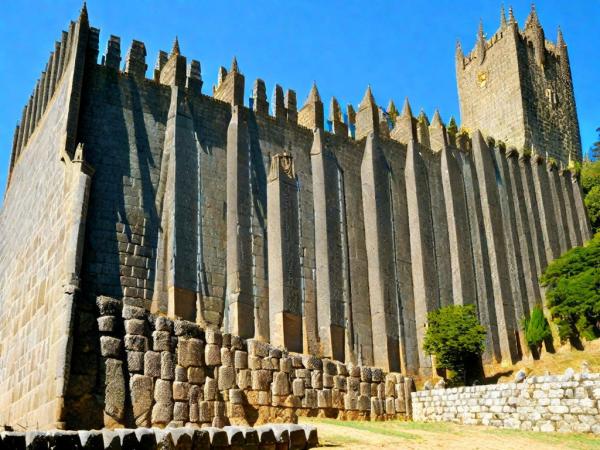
[165, 373]
[565, 403]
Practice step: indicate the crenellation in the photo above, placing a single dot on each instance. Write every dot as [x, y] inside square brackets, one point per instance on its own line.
[135, 61]
[63, 55]
[112, 56]
[259, 97]
[194, 77]
[290, 106]
[338, 127]
[22, 140]
[34, 108]
[277, 103]
[46, 83]
[161, 60]
[93, 47]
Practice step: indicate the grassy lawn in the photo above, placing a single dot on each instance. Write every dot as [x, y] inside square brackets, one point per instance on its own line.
[418, 435]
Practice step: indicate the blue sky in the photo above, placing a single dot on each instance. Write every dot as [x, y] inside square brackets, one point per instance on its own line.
[400, 48]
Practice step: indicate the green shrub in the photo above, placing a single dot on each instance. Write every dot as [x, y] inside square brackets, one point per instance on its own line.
[455, 337]
[537, 329]
[592, 204]
[573, 291]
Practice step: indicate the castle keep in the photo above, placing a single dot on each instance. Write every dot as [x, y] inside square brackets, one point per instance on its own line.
[173, 256]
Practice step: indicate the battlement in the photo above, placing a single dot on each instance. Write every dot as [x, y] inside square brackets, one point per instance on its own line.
[532, 34]
[61, 57]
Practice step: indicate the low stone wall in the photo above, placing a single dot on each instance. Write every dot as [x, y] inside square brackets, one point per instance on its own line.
[568, 402]
[161, 373]
[275, 437]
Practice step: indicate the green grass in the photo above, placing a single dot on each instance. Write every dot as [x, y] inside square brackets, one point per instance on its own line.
[576, 441]
[402, 430]
[390, 428]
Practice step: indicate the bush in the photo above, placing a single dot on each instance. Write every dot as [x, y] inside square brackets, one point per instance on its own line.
[573, 291]
[455, 337]
[536, 329]
[592, 204]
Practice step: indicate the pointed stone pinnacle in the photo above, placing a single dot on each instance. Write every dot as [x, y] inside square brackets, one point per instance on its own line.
[502, 17]
[368, 98]
[234, 65]
[84, 11]
[480, 35]
[423, 118]
[175, 50]
[335, 113]
[436, 121]
[391, 107]
[313, 95]
[532, 19]
[406, 111]
[458, 48]
[560, 42]
[511, 16]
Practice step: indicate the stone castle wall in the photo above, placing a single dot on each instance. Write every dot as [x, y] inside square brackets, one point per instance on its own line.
[265, 226]
[152, 371]
[40, 226]
[565, 403]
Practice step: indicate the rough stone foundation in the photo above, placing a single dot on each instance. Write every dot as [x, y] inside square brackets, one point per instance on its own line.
[563, 403]
[160, 372]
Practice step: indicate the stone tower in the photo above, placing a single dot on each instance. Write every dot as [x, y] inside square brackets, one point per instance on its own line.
[517, 87]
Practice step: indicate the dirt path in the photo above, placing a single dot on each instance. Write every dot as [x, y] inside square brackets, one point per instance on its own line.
[412, 435]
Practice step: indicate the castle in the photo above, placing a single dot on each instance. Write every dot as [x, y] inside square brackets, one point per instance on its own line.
[154, 239]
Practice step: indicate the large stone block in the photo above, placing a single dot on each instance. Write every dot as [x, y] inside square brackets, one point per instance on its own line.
[141, 388]
[114, 392]
[152, 364]
[190, 352]
[261, 380]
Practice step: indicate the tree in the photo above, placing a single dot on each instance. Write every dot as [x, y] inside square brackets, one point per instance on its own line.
[455, 337]
[590, 186]
[595, 149]
[573, 292]
[592, 204]
[590, 175]
[537, 330]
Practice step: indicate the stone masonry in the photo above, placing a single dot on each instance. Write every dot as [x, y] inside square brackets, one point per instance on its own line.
[163, 373]
[517, 87]
[258, 218]
[565, 403]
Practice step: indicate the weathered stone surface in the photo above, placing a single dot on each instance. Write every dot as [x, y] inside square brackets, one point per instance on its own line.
[190, 352]
[227, 378]
[114, 392]
[110, 347]
[141, 387]
[212, 355]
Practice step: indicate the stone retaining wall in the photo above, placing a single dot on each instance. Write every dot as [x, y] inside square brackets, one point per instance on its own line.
[273, 437]
[568, 402]
[159, 372]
